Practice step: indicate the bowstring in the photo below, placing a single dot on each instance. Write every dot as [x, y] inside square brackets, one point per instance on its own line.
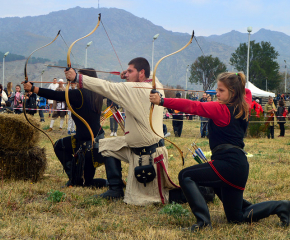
[204, 126]
[112, 45]
[203, 53]
[67, 47]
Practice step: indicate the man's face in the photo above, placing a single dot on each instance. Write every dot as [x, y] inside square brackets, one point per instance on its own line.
[204, 95]
[60, 84]
[54, 80]
[270, 101]
[132, 75]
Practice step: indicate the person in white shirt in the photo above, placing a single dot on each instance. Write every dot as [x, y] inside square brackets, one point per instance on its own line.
[60, 108]
[52, 86]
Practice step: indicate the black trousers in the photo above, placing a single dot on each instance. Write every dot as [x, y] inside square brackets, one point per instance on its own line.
[64, 150]
[270, 132]
[282, 128]
[232, 198]
[177, 126]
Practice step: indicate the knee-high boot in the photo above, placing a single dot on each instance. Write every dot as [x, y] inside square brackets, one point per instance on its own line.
[114, 177]
[262, 210]
[196, 202]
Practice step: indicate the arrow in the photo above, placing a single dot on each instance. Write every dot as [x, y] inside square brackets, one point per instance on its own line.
[114, 73]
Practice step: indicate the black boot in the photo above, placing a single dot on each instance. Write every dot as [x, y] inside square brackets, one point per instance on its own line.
[176, 195]
[197, 204]
[114, 177]
[264, 209]
[99, 183]
[246, 203]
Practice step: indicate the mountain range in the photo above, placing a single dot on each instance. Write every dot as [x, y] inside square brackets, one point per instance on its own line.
[130, 36]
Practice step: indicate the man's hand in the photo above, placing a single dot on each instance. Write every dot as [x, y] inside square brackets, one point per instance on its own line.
[155, 98]
[70, 74]
[123, 74]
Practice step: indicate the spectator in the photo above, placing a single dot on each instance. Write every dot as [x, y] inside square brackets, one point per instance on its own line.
[41, 106]
[177, 122]
[9, 92]
[52, 86]
[270, 110]
[60, 108]
[257, 107]
[209, 99]
[282, 112]
[30, 103]
[17, 101]
[3, 97]
[203, 120]
[283, 97]
[113, 122]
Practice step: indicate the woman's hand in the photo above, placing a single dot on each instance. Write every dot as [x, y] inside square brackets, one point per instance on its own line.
[27, 86]
[155, 98]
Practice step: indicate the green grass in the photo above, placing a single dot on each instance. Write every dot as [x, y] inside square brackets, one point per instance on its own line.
[45, 210]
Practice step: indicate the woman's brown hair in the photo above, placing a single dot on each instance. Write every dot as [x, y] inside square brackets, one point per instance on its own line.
[9, 87]
[235, 83]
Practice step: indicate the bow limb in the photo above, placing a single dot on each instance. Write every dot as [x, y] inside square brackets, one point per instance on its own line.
[67, 87]
[26, 80]
[154, 87]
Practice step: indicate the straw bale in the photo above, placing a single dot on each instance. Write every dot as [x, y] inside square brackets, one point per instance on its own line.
[24, 164]
[16, 132]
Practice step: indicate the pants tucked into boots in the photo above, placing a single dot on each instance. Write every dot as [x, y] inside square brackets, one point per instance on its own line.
[196, 202]
[63, 150]
[114, 177]
[262, 210]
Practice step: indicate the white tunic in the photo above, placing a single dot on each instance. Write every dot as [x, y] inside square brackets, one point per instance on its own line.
[137, 134]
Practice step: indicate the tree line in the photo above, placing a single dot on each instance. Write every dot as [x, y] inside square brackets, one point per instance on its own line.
[14, 57]
[263, 67]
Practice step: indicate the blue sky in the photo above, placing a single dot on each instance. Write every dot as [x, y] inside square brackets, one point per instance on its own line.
[205, 17]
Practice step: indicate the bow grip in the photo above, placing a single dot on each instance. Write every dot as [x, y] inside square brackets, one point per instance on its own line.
[154, 91]
[67, 69]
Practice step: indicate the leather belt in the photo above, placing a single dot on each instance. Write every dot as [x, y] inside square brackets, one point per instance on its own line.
[225, 147]
[149, 149]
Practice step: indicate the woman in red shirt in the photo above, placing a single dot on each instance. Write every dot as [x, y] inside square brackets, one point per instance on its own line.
[228, 170]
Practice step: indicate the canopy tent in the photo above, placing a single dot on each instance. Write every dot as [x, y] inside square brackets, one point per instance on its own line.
[257, 92]
[211, 92]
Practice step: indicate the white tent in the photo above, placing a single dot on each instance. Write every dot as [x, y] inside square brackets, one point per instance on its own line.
[257, 92]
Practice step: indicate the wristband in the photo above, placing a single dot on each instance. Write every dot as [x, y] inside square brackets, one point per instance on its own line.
[161, 102]
[32, 89]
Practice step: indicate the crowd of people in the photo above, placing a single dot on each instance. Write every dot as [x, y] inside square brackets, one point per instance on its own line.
[223, 121]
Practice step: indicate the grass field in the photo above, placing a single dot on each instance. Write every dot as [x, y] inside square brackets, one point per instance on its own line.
[44, 210]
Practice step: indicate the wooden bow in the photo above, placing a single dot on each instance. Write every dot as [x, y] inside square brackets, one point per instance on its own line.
[154, 88]
[26, 80]
[67, 87]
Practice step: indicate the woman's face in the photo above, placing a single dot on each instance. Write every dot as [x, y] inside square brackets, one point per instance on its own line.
[17, 89]
[222, 92]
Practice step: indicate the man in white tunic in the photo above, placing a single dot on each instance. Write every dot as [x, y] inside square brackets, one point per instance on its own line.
[138, 135]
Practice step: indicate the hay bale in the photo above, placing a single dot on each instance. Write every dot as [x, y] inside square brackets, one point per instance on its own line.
[16, 133]
[24, 164]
